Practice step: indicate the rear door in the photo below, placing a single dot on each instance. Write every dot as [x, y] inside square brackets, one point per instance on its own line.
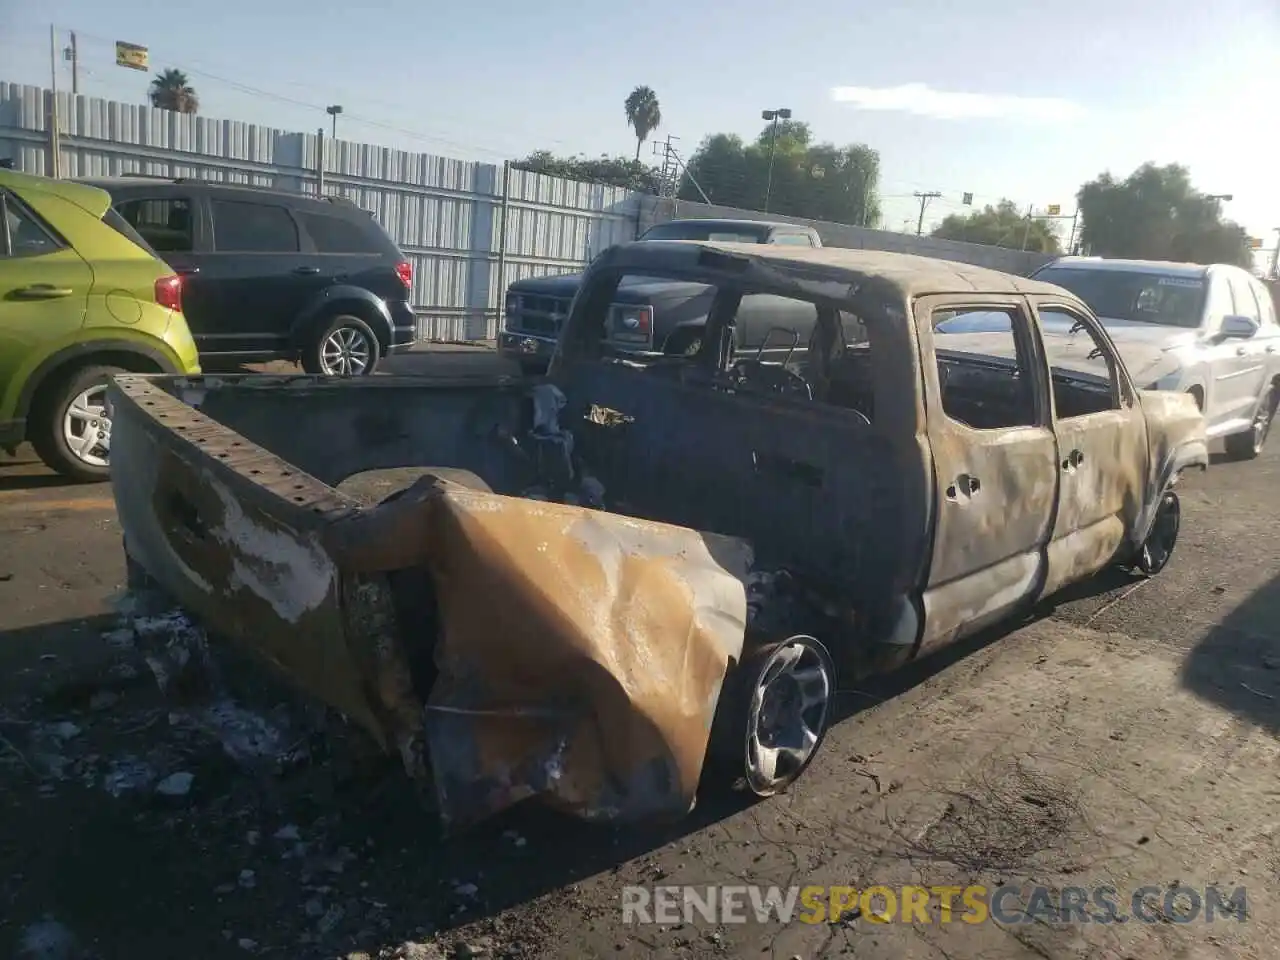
[348, 250]
[995, 462]
[44, 291]
[258, 276]
[1226, 393]
[1102, 444]
[1250, 356]
[1269, 335]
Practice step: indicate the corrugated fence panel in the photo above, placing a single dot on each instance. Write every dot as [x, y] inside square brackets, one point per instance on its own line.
[445, 214]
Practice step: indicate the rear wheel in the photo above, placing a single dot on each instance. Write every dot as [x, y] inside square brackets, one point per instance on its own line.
[1248, 445]
[1158, 548]
[684, 343]
[71, 424]
[344, 347]
[780, 700]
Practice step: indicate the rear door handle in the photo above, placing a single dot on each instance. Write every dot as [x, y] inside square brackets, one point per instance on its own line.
[1241, 351]
[41, 291]
[306, 270]
[1073, 460]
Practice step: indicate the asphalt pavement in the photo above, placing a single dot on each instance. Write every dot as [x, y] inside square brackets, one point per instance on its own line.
[1126, 734]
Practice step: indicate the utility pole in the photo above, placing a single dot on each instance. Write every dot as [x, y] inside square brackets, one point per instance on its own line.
[55, 137]
[1071, 237]
[924, 199]
[319, 161]
[1275, 256]
[1026, 234]
[75, 65]
[775, 116]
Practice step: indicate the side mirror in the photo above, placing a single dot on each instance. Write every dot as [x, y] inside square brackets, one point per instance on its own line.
[1236, 327]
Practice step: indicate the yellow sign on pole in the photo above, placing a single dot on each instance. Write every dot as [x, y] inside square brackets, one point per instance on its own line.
[1055, 209]
[1255, 243]
[131, 55]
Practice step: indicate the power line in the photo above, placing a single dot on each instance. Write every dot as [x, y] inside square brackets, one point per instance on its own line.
[256, 91]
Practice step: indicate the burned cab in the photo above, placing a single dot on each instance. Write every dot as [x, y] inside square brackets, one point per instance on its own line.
[584, 588]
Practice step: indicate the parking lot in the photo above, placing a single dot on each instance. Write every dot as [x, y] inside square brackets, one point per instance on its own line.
[1125, 737]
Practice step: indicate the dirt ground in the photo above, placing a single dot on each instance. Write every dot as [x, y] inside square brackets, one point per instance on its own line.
[1125, 737]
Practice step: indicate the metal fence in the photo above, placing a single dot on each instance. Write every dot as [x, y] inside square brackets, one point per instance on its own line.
[469, 228]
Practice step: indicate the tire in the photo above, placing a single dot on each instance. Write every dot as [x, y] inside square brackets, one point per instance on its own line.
[684, 343]
[762, 717]
[76, 445]
[1249, 445]
[1156, 551]
[344, 347]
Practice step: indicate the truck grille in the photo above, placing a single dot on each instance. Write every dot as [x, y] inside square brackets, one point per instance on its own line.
[529, 313]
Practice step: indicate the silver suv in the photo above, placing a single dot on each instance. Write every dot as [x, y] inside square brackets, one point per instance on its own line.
[1209, 331]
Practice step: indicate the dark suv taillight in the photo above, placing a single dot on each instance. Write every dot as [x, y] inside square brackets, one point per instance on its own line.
[404, 270]
[169, 292]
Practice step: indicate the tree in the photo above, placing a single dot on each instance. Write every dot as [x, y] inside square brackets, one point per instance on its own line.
[643, 114]
[816, 181]
[1000, 226]
[1156, 214]
[612, 171]
[170, 90]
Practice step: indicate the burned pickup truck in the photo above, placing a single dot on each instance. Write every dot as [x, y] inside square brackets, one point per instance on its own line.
[583, 588]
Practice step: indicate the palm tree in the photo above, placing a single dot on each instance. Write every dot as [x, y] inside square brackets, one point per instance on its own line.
[643, 114]
[171, 90]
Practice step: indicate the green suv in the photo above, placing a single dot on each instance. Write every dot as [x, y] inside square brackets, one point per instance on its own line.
[82, 297]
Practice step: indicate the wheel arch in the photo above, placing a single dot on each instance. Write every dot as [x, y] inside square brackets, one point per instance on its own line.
[126, 354]
[335, 301]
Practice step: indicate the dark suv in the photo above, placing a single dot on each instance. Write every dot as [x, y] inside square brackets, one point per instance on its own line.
[269, 275]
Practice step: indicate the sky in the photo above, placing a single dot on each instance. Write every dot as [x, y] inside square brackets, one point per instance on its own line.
[993, 97]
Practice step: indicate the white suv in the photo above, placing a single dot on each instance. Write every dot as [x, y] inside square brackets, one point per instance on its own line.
[1209, 331]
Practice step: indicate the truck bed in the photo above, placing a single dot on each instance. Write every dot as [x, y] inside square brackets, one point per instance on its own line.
[433, 559]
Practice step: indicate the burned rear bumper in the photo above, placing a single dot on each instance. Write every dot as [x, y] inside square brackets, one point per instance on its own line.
[570, 654]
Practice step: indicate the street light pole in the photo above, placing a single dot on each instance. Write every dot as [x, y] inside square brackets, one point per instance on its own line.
[1275, 256]
[1218, 199]
[775, 116]
[333, 110]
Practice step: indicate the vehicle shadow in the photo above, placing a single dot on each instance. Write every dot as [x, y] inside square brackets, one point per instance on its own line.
[10, 481]
[878, 689]
[24, 471]
[1237, 663]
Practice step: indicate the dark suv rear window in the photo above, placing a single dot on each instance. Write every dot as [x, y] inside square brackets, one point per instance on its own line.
[165, 222]
[240, 227]
[341, 235]
[119, 224]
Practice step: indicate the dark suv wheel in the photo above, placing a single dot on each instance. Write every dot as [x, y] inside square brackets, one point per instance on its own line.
[344, 347]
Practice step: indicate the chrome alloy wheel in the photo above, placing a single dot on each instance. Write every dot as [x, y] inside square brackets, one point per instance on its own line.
[346, 352]
[86, 426]
[789, 710]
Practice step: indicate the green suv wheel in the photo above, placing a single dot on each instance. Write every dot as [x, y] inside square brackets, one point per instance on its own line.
[71, 426]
